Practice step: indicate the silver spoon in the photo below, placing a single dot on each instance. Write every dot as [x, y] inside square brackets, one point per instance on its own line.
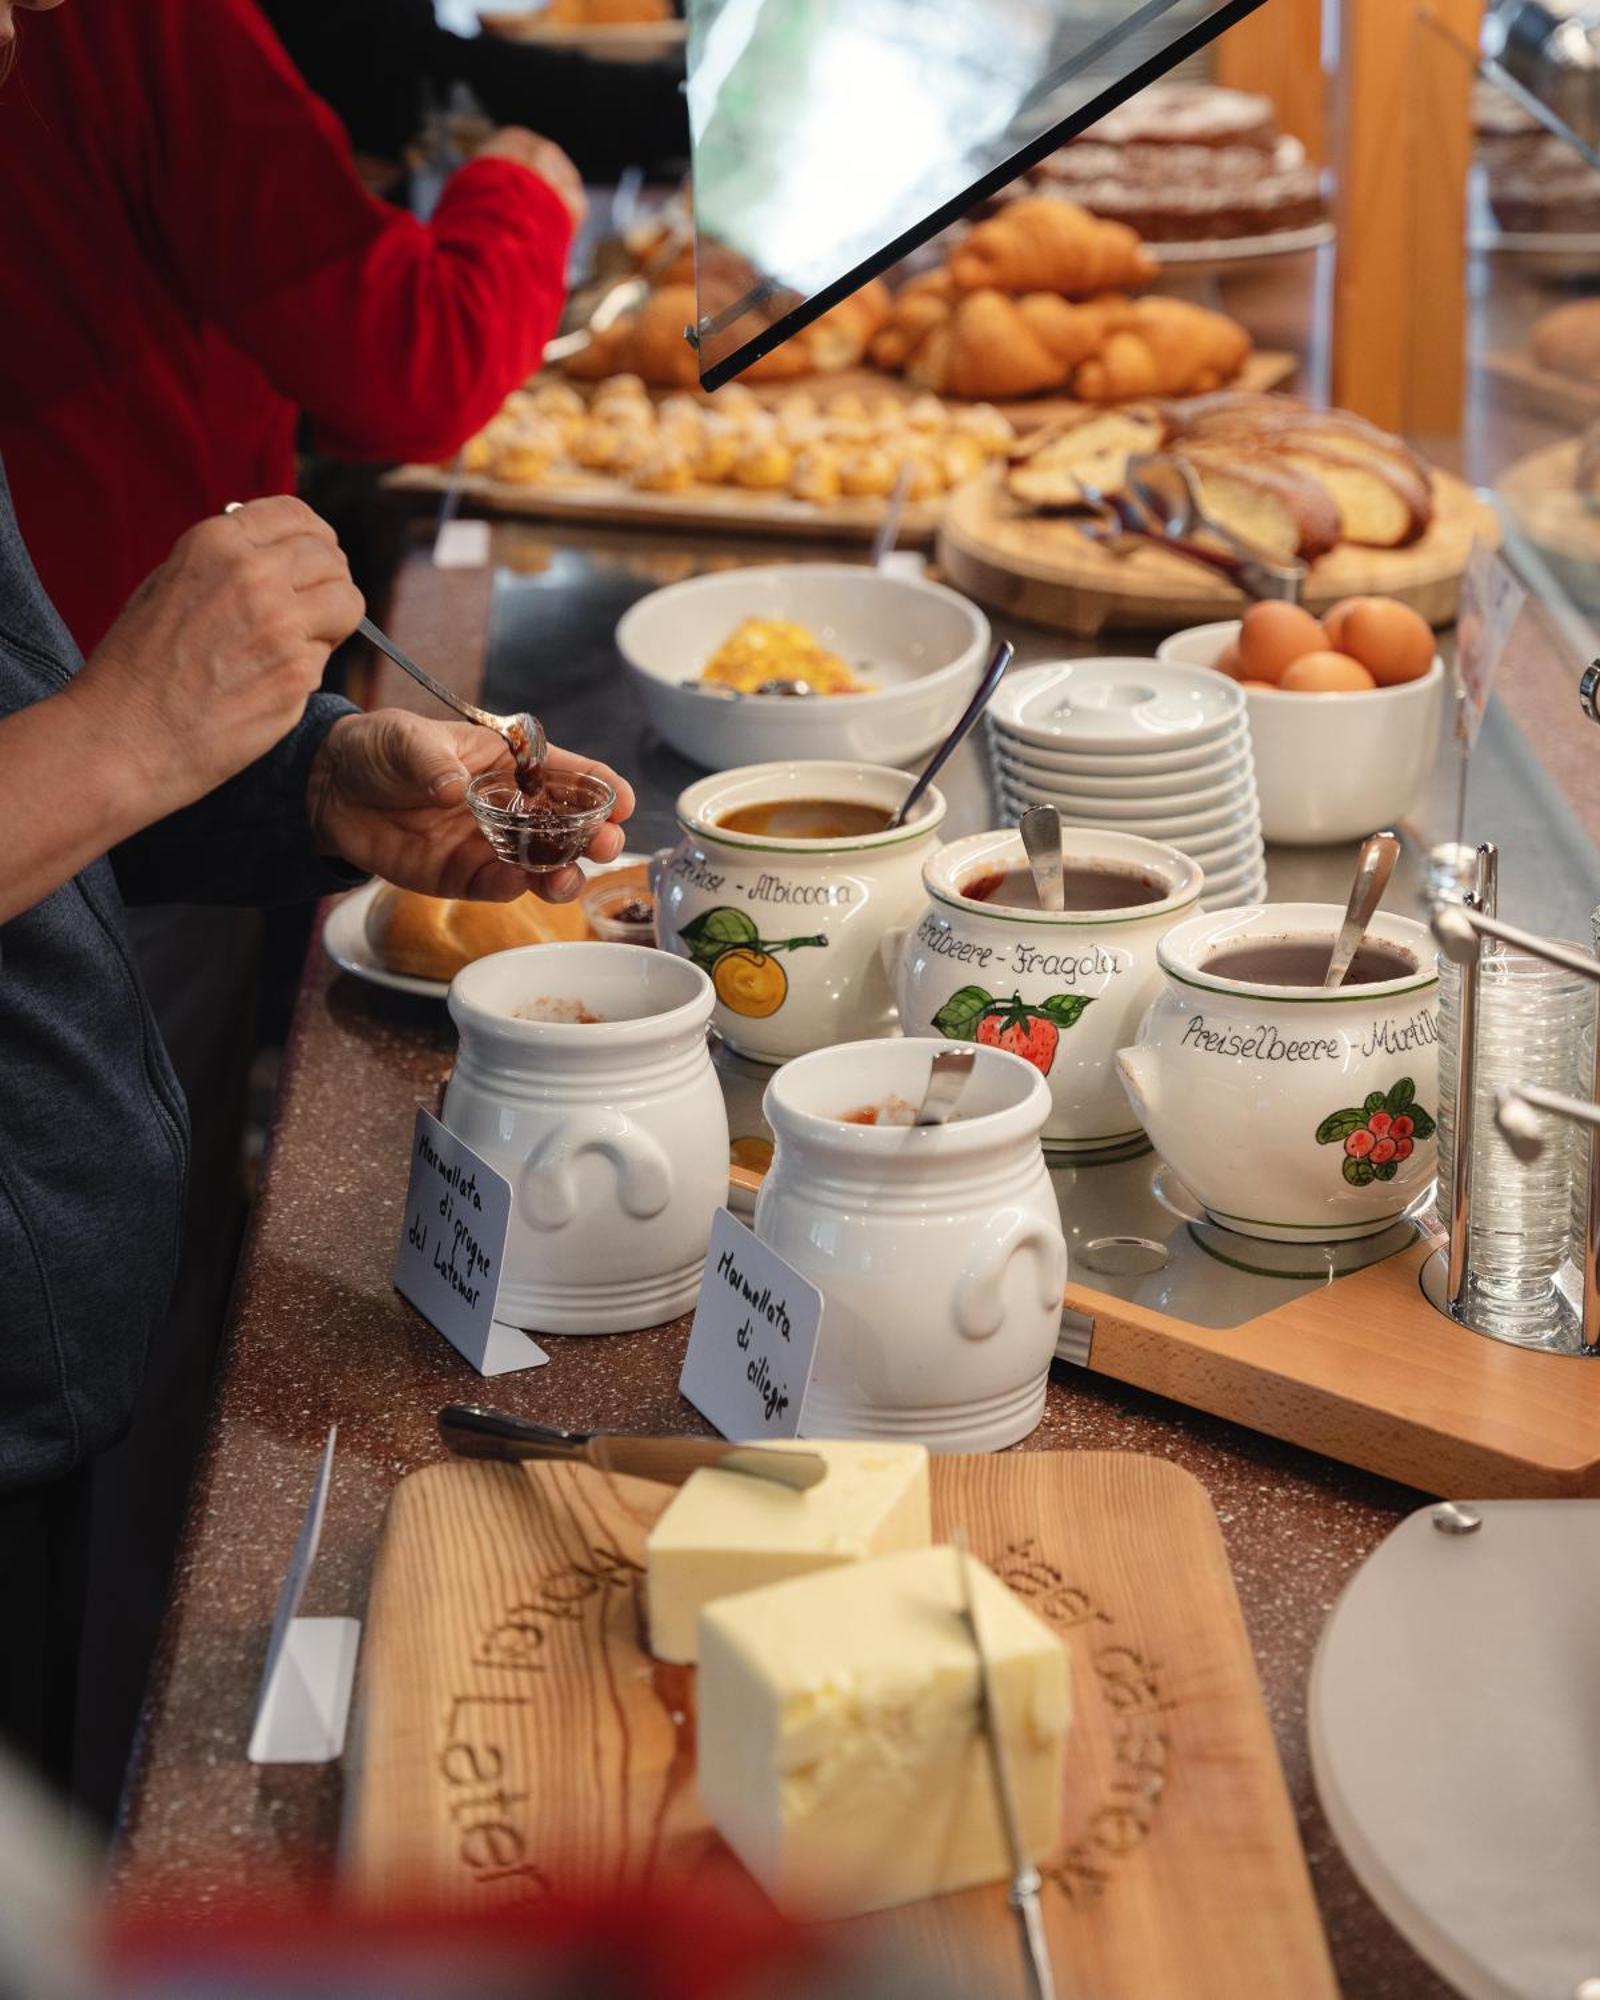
[1374, 866]
[1040, 827]
[946, 1081]
[889, 527]
[523, 734]
[999, 660]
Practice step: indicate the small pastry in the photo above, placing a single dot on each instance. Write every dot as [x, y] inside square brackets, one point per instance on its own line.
[926, 413]
[523, 457]
[959, 457]
[665, 468]
[735, 401]
[816, 475]
[720, 447]
[764, 466]
[846, 431]
[555, 399]
[868, 472]
[610, 447]
[632, 386]
[887, 410]
[927, 479]
[847, 407]
[477, 452]
[679, 404]
[983, 422]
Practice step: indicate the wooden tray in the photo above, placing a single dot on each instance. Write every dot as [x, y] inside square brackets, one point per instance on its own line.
[1042, 569]
[505, 1616]
[1366, 1371]
[706, 509]
[1539, 493]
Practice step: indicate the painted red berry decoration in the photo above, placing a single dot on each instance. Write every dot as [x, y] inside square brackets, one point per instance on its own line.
[1404, 1148]
[1385, 1149]
[1359, 1144]
[1378, 1124]
[1402, 1128]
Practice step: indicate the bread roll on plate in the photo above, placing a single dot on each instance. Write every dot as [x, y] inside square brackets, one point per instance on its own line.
[432, 937]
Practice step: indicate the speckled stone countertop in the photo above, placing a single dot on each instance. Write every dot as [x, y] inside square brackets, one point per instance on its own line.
[319, 1337]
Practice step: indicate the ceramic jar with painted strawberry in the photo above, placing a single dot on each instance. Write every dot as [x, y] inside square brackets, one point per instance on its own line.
[1063, 989]
[1291, 1112]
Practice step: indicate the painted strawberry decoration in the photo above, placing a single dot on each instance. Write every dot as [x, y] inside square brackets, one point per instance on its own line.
[1018, 1026]
[1379, 1135]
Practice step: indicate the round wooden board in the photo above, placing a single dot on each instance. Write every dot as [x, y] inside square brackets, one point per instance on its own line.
[1043, 569]
[1543, 500]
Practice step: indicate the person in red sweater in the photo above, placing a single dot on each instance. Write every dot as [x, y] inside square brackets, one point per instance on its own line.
[192, 263]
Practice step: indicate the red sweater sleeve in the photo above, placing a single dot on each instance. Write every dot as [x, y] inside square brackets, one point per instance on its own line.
[399, 339]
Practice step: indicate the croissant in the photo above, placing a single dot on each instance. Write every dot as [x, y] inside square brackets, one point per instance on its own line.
[990, 345]
[648, 343]
[1043, 245]
[1162, 347]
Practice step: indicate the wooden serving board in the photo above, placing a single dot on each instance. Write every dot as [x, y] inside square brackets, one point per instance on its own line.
[1367, 1372]
[1042, 568]
[729, 510]
[504, 1684]
[1546, 504]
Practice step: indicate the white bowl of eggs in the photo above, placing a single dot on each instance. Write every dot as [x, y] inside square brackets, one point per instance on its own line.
[891, 660]
[1344, 711]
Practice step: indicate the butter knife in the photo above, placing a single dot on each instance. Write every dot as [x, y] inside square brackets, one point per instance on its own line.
[473, 1433]
[1025, 1881]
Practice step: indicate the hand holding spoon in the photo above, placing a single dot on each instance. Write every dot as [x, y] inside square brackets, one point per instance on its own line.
[523, 734]
[1040, 827]
[1374, 866]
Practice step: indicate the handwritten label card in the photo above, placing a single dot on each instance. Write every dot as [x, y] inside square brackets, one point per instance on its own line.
[754, 1338]
[1491, 602]
[452, 1241]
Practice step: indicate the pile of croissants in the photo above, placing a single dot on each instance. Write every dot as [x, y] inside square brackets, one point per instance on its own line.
[1031, 301]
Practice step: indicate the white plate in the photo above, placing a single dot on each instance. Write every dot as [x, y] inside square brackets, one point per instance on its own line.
[1204, 758]
[1173, 803]
[344, 936]
[1117, 704]
[1211, 829]
[1232, 249]
[1233, 769]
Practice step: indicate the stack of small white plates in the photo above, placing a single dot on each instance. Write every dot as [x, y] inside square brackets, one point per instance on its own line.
[1150, 747]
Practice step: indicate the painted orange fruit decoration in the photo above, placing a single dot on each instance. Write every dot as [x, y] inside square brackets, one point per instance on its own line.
[751, 983]
[743, 965]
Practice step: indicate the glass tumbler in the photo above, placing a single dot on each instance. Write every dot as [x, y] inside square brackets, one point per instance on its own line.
[1535, 1024]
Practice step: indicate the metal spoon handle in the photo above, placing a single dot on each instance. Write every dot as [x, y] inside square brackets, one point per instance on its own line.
[526, 740]
[1040, 827]
[1374, 866]
[947, 1078]
[999, 660]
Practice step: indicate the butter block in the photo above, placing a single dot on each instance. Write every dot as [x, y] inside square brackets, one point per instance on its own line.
[842, 1751]
[726, 1532]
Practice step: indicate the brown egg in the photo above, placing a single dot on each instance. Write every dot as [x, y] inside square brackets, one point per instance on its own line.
[1227, 662]
[1333, 621]
[1326, 673]
[1274, 634]
[1393, 642]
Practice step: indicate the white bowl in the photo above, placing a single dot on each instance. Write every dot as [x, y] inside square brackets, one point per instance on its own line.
[922, 646]
[1330, 767]
[1116, 705]
[1234, 742]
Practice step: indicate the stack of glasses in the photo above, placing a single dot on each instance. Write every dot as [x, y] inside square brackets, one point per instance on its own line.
[1148, 747]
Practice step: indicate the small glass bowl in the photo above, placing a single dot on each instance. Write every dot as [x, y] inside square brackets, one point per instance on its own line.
[621, 912]
[546, 833]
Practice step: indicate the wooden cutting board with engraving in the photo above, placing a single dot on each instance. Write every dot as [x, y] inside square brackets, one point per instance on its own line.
[513, 1732]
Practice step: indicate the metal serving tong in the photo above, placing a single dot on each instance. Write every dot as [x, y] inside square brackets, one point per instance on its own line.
[623, 297]
[473, 1433]
[1163, 505]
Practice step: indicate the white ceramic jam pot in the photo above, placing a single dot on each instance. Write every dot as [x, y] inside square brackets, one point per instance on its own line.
[938, 1249]
[790, 929]
[1289, 1112]
[1063, 989]
[611, 1131]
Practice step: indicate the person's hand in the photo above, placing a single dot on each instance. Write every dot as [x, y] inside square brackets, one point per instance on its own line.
[544, 158]
[388, 794]
[216, 653]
